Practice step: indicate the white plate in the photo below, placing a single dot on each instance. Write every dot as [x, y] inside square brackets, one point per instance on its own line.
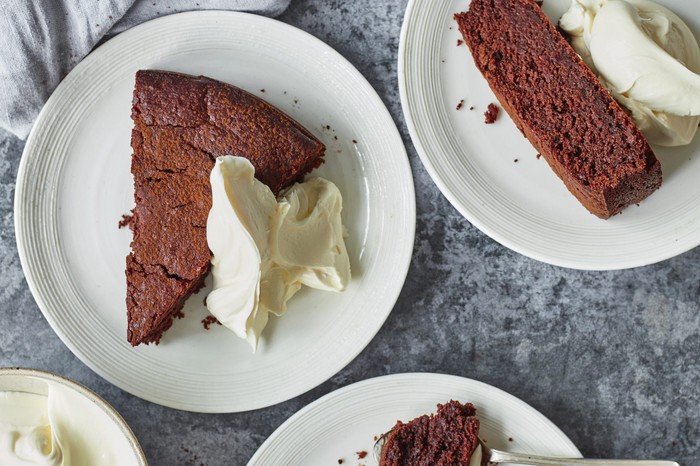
[74, 183]
[100, 413]
[523, 205]
[346, 421]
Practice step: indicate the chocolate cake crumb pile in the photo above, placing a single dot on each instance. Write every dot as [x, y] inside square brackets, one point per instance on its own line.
[491, 114]
[208, 321]
[126, 220]
[361, 454]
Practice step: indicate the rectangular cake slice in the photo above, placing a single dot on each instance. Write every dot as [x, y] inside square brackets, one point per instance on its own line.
[559, 105]
[181, 124]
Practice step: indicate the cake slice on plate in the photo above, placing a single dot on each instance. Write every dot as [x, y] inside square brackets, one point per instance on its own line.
[181, 124]
[446, 438]
[560, 106]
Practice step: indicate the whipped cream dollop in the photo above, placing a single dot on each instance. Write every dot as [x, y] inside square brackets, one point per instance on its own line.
[26, 437]
[61, 429]
[475, 459]
[264, 249]
[647, 57]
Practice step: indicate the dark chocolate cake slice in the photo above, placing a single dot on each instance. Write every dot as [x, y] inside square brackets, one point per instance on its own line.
[181, 124]
[560, 106]
[447, 438]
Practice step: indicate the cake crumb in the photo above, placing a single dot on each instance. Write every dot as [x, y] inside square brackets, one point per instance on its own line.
[459, 42]
[460, 105]
[510, 439]
[262, 90]
[361, 454]
[354, 141]
[340, 461]
[515, 160]
[208, 321]
[126, 220]
[491, 114]
[538, 156]
[179, 314]
[471, 108]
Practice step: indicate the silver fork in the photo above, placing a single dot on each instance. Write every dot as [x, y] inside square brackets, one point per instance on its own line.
[493, 456]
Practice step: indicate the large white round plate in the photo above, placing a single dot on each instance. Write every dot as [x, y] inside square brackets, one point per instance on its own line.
[346, 421]
[121, 445]
[74, 183]
[492, 175]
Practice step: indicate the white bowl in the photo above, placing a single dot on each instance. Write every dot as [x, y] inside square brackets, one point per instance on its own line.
[37, 382]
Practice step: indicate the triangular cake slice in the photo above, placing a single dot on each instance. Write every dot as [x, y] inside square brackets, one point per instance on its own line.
[181, 124]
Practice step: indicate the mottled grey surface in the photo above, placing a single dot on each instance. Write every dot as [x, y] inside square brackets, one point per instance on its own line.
[611, 357]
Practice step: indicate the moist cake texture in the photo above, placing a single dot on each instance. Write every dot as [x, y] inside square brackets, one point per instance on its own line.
[559, 105]
[447, 438]
[181, 124]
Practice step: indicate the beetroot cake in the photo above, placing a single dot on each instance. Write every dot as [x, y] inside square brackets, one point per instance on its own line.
[559, 105]
[447, 438]
[181, 124]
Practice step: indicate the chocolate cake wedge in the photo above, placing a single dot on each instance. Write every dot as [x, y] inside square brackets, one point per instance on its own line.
[181, 124]
[559, 105]
[446, 438]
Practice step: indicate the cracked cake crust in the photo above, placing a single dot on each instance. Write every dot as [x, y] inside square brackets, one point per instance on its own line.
[181, 124]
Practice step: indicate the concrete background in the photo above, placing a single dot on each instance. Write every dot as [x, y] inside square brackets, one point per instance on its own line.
[611, 357]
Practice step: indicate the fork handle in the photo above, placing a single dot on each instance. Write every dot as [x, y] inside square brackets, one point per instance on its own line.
[534, 460]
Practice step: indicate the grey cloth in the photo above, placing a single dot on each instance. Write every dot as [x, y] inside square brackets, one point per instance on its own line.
[42, 40]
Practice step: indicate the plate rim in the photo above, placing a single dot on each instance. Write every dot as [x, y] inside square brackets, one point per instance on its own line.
[399, 379]
[39, 130]
[475, 219]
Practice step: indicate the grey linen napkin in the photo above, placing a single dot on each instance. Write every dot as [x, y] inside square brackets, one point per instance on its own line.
[42, 40]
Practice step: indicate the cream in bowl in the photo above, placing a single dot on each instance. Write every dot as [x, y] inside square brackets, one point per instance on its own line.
[48, 420]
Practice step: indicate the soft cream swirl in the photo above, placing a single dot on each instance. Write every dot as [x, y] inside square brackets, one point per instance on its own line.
[647, 57]
[61, 429]
[26, 437]
[264, 250]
